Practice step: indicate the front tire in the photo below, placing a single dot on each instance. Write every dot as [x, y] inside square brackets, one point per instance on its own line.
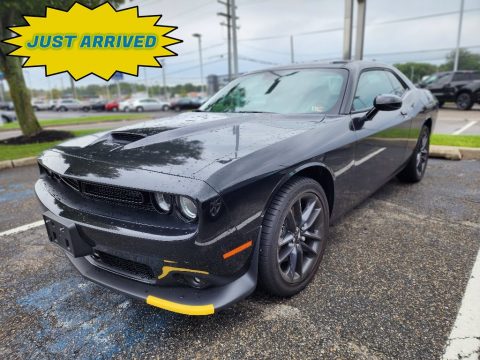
[139, 109]
[416, 166]
[294, 236]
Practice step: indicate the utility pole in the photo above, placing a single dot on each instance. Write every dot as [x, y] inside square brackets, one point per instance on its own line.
[74, 89]
[199, 37]
[108, 91]
[360, 36]
[459, 34]
[347, 30]
[231, 21]
[164, 79]
[146, 81]
[292, 51]
[119, 91]
[234, 38]
[228, 24]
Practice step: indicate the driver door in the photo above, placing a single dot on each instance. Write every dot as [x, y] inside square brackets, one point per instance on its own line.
[381, 146]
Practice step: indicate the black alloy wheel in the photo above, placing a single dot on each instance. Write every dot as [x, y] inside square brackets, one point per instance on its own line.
[416, 166]
[294, 236]
[421, 157]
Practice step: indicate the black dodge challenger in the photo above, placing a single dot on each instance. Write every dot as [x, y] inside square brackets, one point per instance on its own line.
[189, 213]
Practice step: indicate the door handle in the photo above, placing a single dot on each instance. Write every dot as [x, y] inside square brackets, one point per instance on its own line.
[403, 112]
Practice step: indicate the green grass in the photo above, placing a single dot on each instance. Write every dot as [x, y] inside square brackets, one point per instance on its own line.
[12, 152]
[456, 140]
[82, 120]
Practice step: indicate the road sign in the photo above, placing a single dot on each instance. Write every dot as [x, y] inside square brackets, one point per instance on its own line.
[117, 76]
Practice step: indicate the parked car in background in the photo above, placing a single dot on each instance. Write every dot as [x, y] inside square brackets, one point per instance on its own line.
[125, 105]
[71, 104]
[186, 104]
[112, 105]
[98, 105]
[40, 105]
[7, 117]
[6, 105]
[447, 86]
[145, 104]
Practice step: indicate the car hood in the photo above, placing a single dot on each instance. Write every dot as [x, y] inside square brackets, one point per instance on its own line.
[192, 144]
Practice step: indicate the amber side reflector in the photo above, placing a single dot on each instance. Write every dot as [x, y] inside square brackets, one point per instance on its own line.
[237, 249]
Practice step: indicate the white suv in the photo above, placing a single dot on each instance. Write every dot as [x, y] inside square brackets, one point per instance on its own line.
[71, 104]
[144, 104]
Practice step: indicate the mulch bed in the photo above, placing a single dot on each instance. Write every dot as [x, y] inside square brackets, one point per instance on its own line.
[41, 137]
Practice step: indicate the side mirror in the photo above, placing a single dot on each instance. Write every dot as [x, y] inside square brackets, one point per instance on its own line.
[386, 102]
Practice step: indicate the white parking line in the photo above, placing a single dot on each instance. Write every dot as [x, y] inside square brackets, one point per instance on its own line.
[22, 228]
[464, 340]
[468, 126]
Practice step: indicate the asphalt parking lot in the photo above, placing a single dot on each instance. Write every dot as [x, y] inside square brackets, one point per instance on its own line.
[390, 286]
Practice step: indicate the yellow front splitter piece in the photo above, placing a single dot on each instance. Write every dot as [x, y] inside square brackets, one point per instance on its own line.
[180, 308]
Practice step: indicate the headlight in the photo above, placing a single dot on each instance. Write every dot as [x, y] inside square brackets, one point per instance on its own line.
[163, 201]
[187, 207]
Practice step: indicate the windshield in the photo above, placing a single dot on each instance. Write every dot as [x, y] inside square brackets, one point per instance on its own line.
[434, 78]
[297, 91]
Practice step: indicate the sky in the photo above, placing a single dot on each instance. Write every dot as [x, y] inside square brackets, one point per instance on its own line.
[266, 26]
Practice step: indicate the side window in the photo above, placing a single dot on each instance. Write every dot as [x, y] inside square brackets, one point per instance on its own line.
[398, 87]
[370, 84]
[460, 77]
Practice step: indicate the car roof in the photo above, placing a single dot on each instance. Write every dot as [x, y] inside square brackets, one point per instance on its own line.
[338, 64]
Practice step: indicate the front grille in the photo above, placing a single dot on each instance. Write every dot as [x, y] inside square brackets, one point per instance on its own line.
[127, 267]
[113, 193]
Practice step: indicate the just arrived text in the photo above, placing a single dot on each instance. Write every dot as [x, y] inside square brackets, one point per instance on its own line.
[138, 41]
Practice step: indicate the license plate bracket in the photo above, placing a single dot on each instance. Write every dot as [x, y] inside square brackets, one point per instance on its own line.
[64, 233]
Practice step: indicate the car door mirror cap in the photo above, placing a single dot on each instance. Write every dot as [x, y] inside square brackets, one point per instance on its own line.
[387, 102]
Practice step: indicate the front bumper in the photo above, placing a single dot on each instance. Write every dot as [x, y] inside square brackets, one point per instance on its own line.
[182, 300]
[228, 280]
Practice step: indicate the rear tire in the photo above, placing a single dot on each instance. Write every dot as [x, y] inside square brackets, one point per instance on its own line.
[139, 109]
[416, 166]
[294, 236]
[464, 101]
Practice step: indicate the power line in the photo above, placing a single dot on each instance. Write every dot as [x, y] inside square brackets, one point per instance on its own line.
[341, 28]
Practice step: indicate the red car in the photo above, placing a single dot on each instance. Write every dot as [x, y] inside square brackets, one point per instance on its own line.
[112, 106]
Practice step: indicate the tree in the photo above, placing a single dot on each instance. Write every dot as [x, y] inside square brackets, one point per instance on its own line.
[415, 71]
[466, 61]
[11, 12]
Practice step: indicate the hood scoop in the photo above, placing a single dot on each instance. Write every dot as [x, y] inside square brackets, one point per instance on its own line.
[125, 137]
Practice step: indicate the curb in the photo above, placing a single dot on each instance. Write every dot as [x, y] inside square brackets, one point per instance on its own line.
[8, 164]
[454, 152]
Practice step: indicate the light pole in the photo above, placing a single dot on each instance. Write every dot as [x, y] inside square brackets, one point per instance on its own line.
[199, 37]
[459, 34]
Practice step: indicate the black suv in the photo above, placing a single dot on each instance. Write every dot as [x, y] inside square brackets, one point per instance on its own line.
[447, 86]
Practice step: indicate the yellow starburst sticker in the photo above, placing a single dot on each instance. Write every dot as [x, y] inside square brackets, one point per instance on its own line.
[99, 41]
